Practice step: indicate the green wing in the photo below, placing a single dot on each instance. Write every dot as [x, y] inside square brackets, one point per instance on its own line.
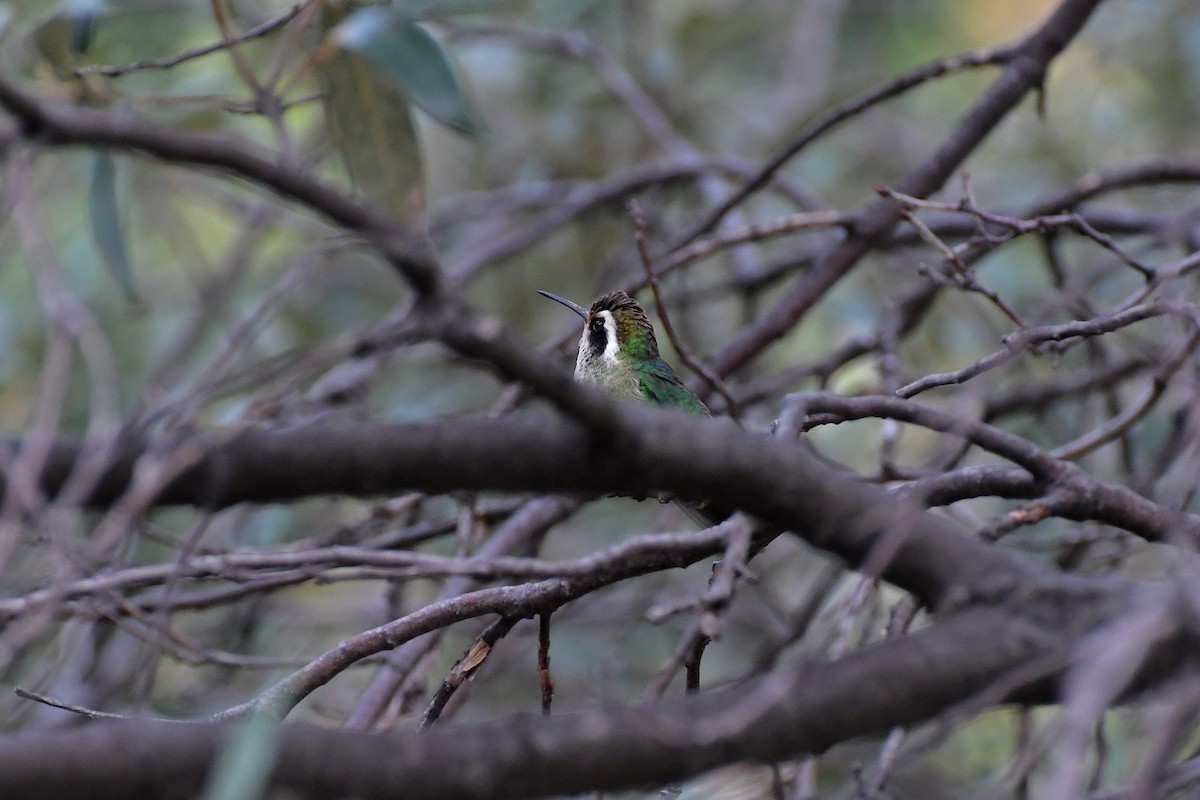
[661, 386]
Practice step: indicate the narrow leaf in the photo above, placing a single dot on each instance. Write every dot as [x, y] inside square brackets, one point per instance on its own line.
[243, 768]
[372, 128]
[6, 19]
[406, 53]
[106, 223]
[68, 32]
[419, 8]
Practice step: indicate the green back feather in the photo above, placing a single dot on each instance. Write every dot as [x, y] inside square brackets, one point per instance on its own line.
[661, 386]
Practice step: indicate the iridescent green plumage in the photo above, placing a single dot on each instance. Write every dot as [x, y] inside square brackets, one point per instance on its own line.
[618, 351]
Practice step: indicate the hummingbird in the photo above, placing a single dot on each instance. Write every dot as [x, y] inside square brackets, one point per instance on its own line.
[619, 353]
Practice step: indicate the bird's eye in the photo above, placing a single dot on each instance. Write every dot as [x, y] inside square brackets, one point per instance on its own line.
[597, 324]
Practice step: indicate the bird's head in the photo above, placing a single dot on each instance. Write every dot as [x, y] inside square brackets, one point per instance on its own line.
[614, 328]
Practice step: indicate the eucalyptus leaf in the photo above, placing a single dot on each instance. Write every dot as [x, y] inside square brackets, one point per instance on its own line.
[6, 18]
[106, 223]
[417, 8]
[405, 52]
[68, 32]
[371, 125]
[52, 42]
[243, 767]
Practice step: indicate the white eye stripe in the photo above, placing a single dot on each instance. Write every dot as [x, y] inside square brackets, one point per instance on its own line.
[610, 328]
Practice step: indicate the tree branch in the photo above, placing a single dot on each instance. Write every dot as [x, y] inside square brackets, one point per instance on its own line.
[1024, 72]
[655, 450]
[785, 714]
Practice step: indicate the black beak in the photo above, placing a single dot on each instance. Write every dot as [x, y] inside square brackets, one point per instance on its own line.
[578, 309]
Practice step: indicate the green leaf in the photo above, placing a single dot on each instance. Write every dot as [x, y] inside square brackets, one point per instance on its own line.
[419, 8]
[243, 768]
[106, 223]
[6, 18]
[68, 33]
[372, 128]
[406, 53]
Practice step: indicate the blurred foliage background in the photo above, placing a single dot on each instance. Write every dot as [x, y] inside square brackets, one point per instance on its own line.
[503, 135]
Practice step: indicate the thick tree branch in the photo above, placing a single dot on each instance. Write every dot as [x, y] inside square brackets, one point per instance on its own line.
[653, 451]
[800, 710]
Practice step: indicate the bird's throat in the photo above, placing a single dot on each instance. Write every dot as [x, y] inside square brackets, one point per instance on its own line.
[611, 373]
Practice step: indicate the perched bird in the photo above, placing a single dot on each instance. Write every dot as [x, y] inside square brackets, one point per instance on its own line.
[618, 352]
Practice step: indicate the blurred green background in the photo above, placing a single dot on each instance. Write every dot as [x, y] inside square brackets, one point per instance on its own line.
[223, 305]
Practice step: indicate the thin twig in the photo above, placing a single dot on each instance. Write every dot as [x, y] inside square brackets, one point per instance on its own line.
[841, 113]
[313, 564]
[90, 713]
[713, 380]
[959, 273]
[1017, 342]
[692, 664]
[465, 668]
[1017, 226]
[113, 70]
[544, 678]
